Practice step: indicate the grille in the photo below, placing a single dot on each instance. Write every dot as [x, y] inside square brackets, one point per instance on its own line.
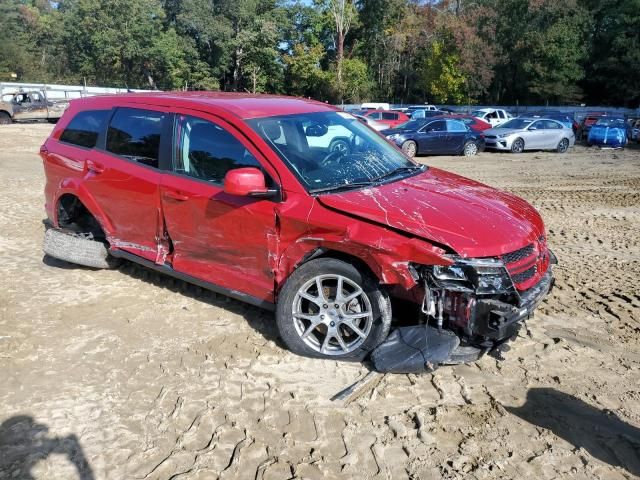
[518, 255]
[524, 276]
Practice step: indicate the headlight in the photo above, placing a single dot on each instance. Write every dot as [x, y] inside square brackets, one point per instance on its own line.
[393, 136]
[503, 135]
[451, 272]
[482, 276]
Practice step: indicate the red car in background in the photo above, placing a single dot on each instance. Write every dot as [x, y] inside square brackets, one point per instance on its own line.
[392, 118]
[585, 125]
[473, 123]
[230, 192]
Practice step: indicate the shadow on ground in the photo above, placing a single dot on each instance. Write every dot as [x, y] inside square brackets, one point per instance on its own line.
[599, 432]
[24, 442]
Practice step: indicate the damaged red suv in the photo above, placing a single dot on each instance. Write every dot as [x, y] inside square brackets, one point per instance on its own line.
[250, 196]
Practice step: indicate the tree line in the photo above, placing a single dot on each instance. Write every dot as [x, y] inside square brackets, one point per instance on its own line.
[402, 51]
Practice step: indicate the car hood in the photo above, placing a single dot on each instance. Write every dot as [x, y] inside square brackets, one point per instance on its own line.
[502, 131]
[470, 218]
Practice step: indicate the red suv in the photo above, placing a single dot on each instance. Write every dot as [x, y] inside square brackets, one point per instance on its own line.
[244, 194]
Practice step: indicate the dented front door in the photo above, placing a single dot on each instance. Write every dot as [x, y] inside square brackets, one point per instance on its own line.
[216, 237]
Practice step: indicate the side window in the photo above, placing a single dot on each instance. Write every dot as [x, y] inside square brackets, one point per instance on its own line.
[437, 126]
[553, 125]
[500, 114]
[83, 129]
[135, 134]
[536, 126]
[206, 151]
[375, 115]
[456, 126]
[389, 116]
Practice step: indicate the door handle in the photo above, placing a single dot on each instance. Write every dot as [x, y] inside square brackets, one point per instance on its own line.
[94, 167]
[175, 195]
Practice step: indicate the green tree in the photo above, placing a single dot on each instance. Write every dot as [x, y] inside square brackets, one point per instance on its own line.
[304, 73]
[613, 65]
[441, 75]
[123, 42]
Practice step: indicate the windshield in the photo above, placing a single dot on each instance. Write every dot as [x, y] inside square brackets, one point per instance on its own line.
[332, 150]
[516, 124]
[611, 122]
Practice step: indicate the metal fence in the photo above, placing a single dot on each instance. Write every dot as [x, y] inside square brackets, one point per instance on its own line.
[55, 91]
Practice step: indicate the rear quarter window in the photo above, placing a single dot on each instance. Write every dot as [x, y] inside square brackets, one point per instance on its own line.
[135, 134]
[84, 128]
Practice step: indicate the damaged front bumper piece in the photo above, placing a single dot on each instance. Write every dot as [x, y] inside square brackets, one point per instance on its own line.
[470, 308]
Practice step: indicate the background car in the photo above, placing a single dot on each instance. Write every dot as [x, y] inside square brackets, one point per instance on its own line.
[472, 122]
[609, 132]
[377, 126]
[586, 123]
[390, 118]
[435, 136]
[565, 118]
[494, 116]
[519, 134]
[422, 113]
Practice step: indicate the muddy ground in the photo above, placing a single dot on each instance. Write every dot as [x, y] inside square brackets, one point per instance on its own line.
[127, 374]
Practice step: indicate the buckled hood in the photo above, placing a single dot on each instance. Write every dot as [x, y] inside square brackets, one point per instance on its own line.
[472, 219]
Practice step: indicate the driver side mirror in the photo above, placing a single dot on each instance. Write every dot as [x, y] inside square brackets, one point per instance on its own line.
[531, 129]
[247, 182]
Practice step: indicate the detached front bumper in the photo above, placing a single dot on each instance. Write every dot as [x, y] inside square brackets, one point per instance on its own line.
[497, 320]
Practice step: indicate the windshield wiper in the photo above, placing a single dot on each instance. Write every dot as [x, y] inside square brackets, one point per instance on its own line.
[342, 186]
[368, 183]
[406, 168]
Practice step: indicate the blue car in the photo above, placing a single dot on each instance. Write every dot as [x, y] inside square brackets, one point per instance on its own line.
[435, 136]
[610, 132]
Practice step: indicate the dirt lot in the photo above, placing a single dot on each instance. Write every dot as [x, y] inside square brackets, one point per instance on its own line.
[127, 374]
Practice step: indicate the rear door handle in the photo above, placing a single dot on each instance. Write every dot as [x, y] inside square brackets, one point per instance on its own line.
[94, 167]
[175, 195]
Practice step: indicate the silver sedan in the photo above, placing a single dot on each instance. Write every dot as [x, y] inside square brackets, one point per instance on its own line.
[520, 134]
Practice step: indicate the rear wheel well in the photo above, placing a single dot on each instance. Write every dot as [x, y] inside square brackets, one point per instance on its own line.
[74, 216]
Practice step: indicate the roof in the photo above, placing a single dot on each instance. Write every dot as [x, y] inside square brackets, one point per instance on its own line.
[242, 105]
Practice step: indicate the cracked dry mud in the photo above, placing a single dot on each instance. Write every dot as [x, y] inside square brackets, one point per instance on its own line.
[147, 377]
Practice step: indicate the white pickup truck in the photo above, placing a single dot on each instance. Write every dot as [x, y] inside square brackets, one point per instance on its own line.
[493, 116]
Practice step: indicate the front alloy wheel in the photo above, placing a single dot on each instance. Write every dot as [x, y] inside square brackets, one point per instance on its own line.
[329, 309]
[563, 146]
[332, 314]
[517, 146]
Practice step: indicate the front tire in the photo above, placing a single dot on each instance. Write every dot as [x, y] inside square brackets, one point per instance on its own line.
[330, 309]
[563, 146]
[517, 146]
[410, 148]
[5, 118]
